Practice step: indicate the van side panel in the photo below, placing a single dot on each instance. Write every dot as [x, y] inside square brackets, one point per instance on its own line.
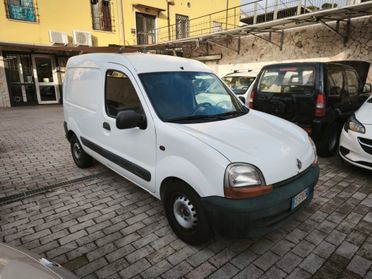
[82, 88]
[82, 100]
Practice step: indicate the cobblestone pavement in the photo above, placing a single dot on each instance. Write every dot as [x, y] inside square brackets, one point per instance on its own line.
[102, 226]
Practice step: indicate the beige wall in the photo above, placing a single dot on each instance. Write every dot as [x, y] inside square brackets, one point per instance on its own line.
[308, 43]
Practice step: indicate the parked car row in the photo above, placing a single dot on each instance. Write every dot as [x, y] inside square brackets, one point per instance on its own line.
[319, 97]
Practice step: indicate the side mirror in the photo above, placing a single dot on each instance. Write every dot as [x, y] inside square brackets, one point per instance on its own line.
[367, 88]
[242, 99]
[128, 119]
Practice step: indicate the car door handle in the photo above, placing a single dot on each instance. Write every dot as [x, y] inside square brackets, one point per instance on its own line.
[106, 126]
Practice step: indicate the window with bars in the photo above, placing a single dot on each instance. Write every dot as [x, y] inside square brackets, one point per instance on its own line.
[101, 15]
[21, 10]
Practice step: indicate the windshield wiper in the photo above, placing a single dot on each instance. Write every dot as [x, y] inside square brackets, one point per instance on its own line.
[193, 117]
[221, 116]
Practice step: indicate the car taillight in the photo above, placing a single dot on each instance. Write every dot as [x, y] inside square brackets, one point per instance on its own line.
[251, 97]
[320, 109]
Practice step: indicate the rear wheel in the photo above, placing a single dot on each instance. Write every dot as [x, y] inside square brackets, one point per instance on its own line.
[328, 143]
[81, 159]
[185, 214]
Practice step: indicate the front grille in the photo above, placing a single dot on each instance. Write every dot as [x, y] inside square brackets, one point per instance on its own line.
[365, 141]
[366, 145]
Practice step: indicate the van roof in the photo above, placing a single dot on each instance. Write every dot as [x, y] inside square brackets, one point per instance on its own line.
[139, 62]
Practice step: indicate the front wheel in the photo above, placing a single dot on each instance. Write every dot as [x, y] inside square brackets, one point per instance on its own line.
[186, 215]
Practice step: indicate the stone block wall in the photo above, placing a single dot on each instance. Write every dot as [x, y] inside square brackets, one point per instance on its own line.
[4, 94]
[315, 42]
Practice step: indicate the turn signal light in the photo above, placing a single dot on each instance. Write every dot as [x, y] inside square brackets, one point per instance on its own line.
[247, 192]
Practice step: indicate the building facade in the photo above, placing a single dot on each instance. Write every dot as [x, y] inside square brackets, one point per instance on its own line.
[38, 36]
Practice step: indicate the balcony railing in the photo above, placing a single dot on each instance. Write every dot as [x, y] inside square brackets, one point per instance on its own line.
[247, 14]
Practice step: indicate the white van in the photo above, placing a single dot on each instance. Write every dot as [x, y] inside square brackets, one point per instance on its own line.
[215, 164]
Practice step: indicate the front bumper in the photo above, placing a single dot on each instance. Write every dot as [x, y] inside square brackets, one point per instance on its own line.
[257, 216]
[351, 148]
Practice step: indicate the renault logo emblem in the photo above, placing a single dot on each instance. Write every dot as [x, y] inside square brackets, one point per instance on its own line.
[299, 164]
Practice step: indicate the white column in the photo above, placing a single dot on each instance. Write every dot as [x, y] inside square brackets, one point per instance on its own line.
[4, 93]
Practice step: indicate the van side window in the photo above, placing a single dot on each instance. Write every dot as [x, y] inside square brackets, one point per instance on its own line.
[335, 82]
[120, 94]
[352, 83]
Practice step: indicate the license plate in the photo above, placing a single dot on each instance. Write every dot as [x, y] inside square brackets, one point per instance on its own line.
[299, 198]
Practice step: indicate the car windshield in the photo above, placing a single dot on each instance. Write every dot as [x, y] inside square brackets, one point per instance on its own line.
[287, 80]
[185, 97]
[238, 84]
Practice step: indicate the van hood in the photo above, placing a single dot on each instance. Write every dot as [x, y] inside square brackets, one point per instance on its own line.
[268, 142]
[364, 114]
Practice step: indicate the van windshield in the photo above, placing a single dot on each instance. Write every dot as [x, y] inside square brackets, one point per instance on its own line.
[190, 97]
[299, 79]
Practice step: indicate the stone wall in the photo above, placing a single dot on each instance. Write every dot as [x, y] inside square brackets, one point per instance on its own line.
[314, 42]
[4, 94]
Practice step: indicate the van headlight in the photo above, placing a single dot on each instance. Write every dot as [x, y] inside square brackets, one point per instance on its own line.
[244, 181]
[354, 125]
[314, 150]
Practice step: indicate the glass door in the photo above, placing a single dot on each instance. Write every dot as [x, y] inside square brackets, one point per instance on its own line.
[45, 75]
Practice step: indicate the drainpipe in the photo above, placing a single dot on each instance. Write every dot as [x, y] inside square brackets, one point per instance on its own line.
[168, 16]
[122, 23]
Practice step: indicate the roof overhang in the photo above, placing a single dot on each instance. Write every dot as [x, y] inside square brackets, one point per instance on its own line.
[13, 46]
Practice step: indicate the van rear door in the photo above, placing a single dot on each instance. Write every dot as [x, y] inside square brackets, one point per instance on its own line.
[288, 91]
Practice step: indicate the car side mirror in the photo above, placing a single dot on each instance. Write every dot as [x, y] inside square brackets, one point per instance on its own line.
[367, 88]
[128, 119]
[242, 99]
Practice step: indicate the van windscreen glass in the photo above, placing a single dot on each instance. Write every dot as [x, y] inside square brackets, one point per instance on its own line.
[190, 97]
[299, 79]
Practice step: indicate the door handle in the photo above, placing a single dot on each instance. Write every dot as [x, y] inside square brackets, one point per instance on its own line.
[106, 126]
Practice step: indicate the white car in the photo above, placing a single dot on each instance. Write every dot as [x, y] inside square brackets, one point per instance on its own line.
[213, 162]
[241, 83]
[356, 137]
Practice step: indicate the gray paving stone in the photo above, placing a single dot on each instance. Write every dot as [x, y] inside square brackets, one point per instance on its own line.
[266, 260]
[312, 263]
[324, 249]
[250, 272]
[225, 271]
[347, 249]
[289, 262]
[304, 248]
[359, 265]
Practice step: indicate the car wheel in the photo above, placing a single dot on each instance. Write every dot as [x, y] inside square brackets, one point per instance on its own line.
[185, 214]
[81, 159]
[328, 143]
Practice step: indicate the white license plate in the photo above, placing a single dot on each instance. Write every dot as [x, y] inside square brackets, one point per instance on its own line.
[299, 198]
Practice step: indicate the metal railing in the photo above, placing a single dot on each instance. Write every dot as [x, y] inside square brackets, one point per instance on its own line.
[247, 14]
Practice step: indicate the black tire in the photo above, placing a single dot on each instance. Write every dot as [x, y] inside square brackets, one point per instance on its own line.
[328, 143]
[81, 159]
[180, 199]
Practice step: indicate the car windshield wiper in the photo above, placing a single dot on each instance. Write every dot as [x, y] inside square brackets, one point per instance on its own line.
[193, 117]
[207, 117]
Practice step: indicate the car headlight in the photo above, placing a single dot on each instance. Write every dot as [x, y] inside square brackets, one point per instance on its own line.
[354, 125]
[314, 150]
[244, 180]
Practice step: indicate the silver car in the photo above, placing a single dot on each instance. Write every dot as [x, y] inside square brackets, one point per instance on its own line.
[17, 263]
